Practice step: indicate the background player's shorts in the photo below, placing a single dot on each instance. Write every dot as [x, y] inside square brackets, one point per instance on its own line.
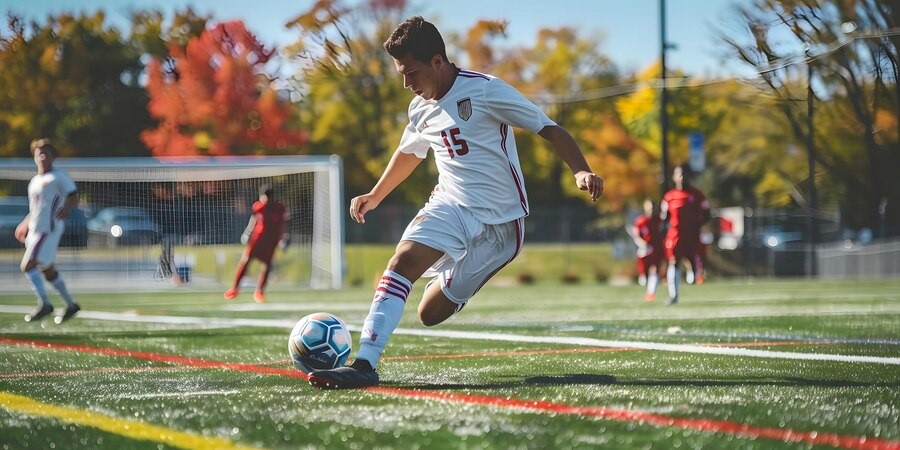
[678, 246]
[263, 250]
[474, 251]
[42, 247]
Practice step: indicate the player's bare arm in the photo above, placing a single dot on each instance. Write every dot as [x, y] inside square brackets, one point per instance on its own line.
[70, 203]
[565, 146]
[22, 229]
[397, 170]
[245, 236]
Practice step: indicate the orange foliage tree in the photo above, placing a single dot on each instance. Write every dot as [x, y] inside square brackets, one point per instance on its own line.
[214, 98]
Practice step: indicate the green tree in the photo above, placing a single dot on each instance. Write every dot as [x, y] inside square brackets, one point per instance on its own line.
[692, 108]
[353, 101]
[854, 66]
[74, 79]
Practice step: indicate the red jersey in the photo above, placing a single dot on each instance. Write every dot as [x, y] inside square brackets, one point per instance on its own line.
[685, 210]
[270, 220]
[648, 228]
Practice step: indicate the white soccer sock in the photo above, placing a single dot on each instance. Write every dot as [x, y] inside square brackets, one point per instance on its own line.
[37, 285]
[652, 281]
[673, 277]
[384, 315]
[60, 286]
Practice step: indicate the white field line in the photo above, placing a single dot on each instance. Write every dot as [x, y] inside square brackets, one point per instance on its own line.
[587, 342]
[172, 394]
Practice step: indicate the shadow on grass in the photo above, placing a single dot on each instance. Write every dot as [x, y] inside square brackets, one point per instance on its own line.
[609, 380]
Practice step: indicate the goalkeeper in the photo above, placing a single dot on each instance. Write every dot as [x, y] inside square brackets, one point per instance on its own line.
[267, 229]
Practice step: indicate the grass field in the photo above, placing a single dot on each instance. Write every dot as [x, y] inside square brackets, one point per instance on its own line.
[745, 364]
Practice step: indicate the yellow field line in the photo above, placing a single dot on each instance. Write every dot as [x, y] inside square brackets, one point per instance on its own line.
[128, 428]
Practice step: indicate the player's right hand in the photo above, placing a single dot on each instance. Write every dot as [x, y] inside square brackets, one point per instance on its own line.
[245, 238]
[359, 206]
[21, 232]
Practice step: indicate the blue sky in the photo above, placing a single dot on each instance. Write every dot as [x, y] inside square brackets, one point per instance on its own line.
[628, 29]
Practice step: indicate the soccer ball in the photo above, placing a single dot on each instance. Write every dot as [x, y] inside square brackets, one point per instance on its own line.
[319, 341]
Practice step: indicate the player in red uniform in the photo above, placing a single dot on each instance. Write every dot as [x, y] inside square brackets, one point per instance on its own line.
[647, 234]
[685, 209]
[266, 230]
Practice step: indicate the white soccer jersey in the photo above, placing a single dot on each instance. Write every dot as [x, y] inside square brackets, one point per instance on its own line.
[474, 147]
[47, 194]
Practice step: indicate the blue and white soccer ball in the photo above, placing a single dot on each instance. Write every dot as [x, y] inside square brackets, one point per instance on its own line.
[319, 341]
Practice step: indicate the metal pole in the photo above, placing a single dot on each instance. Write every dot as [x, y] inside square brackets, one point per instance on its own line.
[811, 162]
[664, 99]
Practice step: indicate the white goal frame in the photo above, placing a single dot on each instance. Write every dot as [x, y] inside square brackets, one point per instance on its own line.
[327, 234]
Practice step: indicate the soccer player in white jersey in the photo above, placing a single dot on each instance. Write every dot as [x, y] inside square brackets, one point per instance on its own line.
[51, 196]
[472, 225]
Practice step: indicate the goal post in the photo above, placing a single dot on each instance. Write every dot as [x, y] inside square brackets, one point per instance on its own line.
[142, 220]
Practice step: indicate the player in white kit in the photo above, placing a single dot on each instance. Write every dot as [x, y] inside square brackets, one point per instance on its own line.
[51, 196]
[472, 225]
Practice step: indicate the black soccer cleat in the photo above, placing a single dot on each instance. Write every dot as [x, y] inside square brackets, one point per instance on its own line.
[358, 375]
[68, 314]
[307, 365]
[39, 313]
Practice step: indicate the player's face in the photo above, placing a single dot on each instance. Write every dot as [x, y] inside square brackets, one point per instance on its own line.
[421, 78]
[678, 177]
[43, 160]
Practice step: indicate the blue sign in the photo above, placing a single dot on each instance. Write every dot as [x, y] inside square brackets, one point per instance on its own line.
[696, 153]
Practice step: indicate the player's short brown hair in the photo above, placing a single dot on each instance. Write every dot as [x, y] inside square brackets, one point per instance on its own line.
[43, 144]
[417, 37]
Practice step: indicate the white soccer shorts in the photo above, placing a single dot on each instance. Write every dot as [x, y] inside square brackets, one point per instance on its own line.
[42, 247]
[474, 251]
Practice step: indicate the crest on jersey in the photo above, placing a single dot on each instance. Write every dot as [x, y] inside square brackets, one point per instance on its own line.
[464, 108]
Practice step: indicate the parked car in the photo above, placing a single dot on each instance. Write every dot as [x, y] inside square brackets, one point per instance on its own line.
[116, 226]
[12, 211]
[76, 231]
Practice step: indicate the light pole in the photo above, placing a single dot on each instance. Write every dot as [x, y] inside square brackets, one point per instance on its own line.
[811, 162]
[664, 100]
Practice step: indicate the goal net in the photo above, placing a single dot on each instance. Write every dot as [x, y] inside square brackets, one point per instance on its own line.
[143, 221]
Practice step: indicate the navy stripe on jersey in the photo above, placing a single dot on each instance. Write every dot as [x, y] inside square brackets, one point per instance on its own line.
[504, 134]
[53, 206]
[470, 74]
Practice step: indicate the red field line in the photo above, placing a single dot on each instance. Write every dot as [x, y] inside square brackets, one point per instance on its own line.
[714, 426]
[193, 362]
[705, 425]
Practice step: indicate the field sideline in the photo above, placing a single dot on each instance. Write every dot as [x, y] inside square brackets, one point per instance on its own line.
[743, 364]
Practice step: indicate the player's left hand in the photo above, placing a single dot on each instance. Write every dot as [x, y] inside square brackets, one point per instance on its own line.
[21, 232]
[589, 181]
[285, 241]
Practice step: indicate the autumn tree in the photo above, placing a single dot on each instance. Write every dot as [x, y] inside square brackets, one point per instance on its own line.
[75, 79]
[353, 101]
[561, 71]
[692, 108]
[213, 96]
[853, 61]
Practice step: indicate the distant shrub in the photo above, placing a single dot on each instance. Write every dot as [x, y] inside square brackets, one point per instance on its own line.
[570, 277]
[525, 278]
